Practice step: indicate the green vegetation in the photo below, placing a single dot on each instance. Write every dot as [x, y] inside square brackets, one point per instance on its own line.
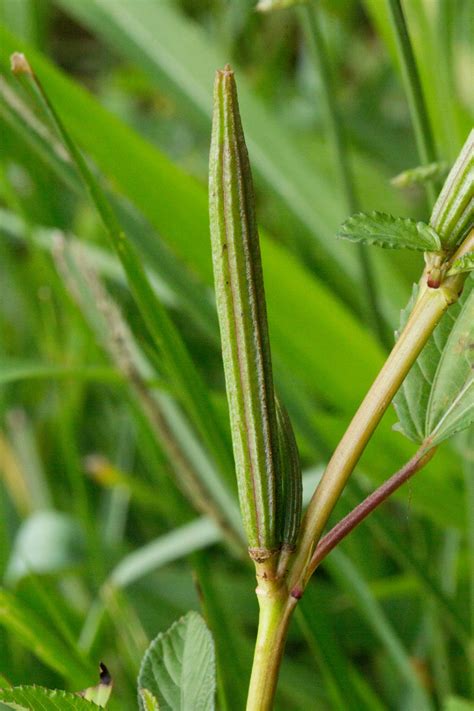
[121, 540]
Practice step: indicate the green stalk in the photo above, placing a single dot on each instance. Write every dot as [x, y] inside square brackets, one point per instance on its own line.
[416, 102]
[335, 127]
[274, 618]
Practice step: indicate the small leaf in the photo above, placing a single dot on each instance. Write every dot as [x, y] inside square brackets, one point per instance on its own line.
[463, 264]
[149, 701]
[390, 232]
[179, 668]
[420, 175]
[242, 315]
[36, 697]
[453, 212]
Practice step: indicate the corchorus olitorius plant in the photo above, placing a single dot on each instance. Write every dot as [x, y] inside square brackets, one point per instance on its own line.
[427, 375]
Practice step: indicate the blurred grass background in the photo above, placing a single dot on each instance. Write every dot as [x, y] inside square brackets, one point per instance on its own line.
[86, 482]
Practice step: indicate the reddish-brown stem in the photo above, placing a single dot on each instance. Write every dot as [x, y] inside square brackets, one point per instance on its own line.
[360, 512]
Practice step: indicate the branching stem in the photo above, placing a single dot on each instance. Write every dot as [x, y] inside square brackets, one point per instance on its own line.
[369, 504]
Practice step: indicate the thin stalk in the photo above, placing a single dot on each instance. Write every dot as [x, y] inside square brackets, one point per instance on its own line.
[273, 621]
[412, 83]
[369, 504]
[335, 128]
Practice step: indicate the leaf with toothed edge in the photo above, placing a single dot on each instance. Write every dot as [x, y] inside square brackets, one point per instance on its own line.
[178, 668]
[26, 698]
[384, 230]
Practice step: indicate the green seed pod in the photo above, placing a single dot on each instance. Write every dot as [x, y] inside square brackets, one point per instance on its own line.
[291, 498]
[453, 213]
[243, 322]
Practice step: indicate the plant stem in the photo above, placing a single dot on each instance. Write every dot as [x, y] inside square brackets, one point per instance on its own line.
[360, 512]
[416, 102]
[427, 312]
[335, 127]
[274, 617]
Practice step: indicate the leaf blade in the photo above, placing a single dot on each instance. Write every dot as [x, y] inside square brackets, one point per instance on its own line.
[383, 230]
[36, 697]
[179, 667]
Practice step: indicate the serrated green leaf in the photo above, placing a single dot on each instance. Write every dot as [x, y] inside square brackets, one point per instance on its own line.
[436, 399]
[463, 264]
[390, 232]
[179, 667]
[451, 404]
[411, 401]
[34, 698]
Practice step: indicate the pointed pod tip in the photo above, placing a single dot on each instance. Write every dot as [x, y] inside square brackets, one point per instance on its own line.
[19, 64]
[227, 71]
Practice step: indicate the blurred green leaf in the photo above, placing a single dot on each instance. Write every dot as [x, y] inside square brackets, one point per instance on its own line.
[455, 703]
[350, 579]
[420, 174]
[34, 633]
[46, 542]
[179, 667]
[172, 546]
